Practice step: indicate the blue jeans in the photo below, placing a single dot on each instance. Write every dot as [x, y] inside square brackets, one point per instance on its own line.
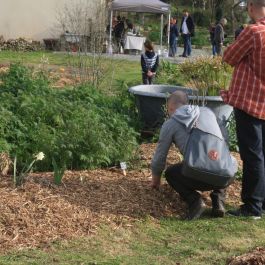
[213, 49]
[173, 48]
[187, 44]
[251, 141]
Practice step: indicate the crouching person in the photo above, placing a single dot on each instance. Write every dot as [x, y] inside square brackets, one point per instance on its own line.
[181, 128]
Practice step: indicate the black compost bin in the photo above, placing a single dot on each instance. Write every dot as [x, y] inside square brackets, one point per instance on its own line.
[151, 100]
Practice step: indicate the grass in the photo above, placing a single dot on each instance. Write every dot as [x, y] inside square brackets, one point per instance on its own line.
[156, 242]
[121, 71]
[32, 57]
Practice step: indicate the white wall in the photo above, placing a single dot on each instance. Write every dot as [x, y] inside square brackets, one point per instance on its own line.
[34, 19]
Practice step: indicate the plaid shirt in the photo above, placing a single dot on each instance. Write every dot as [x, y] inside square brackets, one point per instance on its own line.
[247, 55]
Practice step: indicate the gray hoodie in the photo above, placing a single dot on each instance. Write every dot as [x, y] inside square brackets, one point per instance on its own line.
[176, 130]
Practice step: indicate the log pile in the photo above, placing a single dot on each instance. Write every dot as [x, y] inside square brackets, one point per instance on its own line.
[20, 44]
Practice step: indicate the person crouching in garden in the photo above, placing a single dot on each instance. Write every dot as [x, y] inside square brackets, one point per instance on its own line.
[177, 130]
[149, 63]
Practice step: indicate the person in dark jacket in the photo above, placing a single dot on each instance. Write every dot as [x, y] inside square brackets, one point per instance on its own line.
[187, 29]
[239, 30]
[211, 32]
[219, 36]
[119, 33]
[149, 63]
[173, 37]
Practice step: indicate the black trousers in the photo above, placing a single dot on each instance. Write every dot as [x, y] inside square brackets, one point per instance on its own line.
[187, 187]
[251, 141]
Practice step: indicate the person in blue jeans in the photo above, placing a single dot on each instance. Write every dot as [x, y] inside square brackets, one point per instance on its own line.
[211, 31]
[173, 37]
[187, 29]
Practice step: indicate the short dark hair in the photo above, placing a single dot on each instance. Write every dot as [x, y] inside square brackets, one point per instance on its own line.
[178, 98]
[149, 45]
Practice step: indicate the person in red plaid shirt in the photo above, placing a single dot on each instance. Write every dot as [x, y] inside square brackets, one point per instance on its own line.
[247, 96]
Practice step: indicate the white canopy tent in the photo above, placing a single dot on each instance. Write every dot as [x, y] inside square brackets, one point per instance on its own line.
[141, 6]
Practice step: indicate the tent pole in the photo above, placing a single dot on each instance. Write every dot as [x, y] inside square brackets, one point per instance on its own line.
[110, 33]
[161, 33]
[168, 31]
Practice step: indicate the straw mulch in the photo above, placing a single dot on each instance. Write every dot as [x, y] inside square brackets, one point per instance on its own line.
[39, 212]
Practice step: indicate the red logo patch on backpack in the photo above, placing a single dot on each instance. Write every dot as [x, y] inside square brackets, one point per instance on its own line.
[213, 155]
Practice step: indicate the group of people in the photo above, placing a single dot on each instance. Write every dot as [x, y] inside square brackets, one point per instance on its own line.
[120, 26]
[247, 95]
[150, 59]
[217, 35]
[186, 30]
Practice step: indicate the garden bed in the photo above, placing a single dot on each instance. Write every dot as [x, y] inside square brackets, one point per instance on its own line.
[40, 212]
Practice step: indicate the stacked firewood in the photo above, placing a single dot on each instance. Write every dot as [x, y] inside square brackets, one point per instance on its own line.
[20, 44]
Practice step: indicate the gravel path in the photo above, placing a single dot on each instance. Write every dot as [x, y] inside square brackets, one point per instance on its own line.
[132, 57]
[195, 53]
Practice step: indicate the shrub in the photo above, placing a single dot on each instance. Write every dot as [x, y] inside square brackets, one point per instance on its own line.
[233, 144]
[77, 128]
[207, 74]
[169, 74]
[202, 18]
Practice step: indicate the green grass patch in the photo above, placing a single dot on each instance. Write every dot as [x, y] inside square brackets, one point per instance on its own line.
[120, 71]
[167, 241]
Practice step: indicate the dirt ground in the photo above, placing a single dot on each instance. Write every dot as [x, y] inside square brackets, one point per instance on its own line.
[40, 212]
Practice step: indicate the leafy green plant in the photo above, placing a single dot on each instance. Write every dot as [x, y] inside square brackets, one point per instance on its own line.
[169, 74]
[78, 127]
[207, 75]
[233, 144]
[19, 178]
[58, 172]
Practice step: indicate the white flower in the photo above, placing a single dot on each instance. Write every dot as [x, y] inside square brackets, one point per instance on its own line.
[39, 156]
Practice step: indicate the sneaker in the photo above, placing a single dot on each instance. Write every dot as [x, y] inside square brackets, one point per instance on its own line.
[196, 209]
[241, 212]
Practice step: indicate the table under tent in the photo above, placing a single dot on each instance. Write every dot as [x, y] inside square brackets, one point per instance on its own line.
[141, 6]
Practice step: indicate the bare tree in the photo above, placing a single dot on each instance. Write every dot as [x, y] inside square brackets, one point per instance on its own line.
[83, 27]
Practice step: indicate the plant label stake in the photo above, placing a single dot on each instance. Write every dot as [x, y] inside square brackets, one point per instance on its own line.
[123, 167]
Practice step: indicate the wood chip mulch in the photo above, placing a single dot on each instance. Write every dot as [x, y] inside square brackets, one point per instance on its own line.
[39, 212]
[256, 257]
